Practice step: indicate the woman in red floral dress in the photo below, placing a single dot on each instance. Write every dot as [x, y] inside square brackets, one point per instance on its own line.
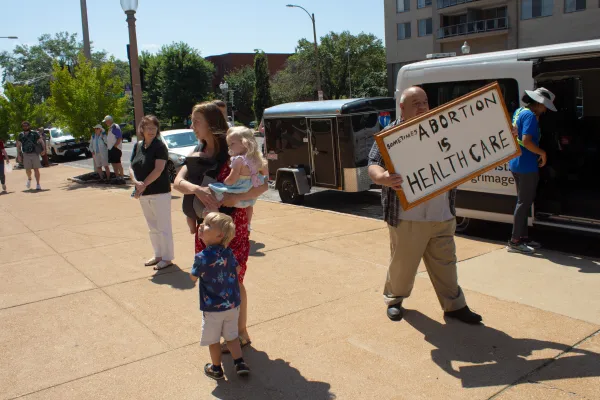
[210, 128]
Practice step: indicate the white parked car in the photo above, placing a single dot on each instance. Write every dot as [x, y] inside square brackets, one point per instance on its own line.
[60, 143]
[180, 142]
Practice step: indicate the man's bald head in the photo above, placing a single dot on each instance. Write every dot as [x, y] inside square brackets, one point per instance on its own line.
[413, 102]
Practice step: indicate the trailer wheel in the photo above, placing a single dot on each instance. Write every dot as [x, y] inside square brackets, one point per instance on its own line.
[462, 224]
[288, 191]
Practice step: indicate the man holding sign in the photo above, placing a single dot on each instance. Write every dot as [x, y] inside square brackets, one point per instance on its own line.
[423, 232]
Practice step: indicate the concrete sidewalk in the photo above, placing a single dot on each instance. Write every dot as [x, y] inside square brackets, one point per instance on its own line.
[82, 318]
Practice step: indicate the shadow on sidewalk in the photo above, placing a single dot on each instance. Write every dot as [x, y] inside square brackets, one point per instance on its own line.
[174, 277]
[585, 265]
[255, 249]
[269, 379]
[35, 190]
[501, 357]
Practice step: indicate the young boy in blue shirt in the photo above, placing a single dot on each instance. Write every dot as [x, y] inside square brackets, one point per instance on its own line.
[217, 269]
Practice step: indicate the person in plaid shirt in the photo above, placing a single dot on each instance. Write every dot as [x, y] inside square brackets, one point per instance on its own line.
[424, 232]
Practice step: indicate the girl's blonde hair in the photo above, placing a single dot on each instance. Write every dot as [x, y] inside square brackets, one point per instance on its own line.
[246, 137]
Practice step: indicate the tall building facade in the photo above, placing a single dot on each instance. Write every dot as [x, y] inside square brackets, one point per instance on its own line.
[415, 28]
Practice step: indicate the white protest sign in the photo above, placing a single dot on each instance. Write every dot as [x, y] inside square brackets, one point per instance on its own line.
[449, 145]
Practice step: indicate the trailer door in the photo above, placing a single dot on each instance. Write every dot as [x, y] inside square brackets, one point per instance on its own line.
[322, 138]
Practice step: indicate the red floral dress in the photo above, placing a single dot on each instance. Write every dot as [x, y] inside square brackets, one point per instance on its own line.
[240, 245]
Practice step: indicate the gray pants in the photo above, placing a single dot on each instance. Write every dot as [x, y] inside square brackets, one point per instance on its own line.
[526, 189]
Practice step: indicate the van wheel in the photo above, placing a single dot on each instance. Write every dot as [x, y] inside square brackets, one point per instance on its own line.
[289, 192]
[462, 224]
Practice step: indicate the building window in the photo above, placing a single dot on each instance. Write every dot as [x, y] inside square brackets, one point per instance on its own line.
[574, 5]
[423, 3]
[404, 31]
[536, 8]
[425, 27]
[402, 5]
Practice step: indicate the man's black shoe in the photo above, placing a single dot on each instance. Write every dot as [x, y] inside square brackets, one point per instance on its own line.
[394, 312]
[465, 315]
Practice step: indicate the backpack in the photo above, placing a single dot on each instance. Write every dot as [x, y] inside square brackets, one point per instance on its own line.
[30, 143]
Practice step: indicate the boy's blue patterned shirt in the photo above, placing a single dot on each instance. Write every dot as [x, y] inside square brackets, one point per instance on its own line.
[219, 287]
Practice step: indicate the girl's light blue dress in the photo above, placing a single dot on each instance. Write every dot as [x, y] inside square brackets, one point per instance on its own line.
[243, 184]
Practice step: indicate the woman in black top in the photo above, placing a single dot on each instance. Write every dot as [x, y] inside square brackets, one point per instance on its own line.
[153, 189]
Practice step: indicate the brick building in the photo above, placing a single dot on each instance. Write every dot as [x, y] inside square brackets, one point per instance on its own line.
[229, 62]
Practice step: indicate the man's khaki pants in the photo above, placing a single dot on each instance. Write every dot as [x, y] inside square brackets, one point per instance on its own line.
[434, 243]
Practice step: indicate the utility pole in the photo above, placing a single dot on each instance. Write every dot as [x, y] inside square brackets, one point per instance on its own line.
[86, 33]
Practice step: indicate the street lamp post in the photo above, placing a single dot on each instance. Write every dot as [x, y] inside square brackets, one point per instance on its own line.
[312, 18]
[225, 89]
[130, 7]
[86, 33]
[8, 37]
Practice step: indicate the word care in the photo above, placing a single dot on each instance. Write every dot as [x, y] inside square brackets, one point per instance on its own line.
[449, 145]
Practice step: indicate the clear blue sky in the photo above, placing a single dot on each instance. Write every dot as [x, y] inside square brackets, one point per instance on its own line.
[211, 26]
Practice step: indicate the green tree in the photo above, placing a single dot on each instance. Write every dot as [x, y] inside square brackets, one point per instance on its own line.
[295, 82]
[242, 82]
[348, 63]
[82, 98]
[262, 88]
[185, 78]
[34, 63]
[173, 80]
[16, 106]
[150, 76]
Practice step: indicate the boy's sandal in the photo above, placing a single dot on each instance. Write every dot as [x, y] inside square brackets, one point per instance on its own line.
[162, 265]
[243, 343]
[151, 262]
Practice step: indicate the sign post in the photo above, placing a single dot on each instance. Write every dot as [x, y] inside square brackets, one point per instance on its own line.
[449, 145]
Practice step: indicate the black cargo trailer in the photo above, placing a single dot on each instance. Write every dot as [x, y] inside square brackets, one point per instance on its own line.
[323, 144]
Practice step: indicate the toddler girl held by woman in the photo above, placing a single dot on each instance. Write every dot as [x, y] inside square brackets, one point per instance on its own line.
[248, 167]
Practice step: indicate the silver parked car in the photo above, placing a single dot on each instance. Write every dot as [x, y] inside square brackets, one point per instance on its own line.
[180, 142]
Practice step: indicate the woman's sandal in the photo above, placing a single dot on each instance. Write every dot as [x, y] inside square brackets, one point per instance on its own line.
[243, 343]
[162, 265]
[151, 262]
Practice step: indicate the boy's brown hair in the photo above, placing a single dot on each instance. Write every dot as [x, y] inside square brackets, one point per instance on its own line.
[224, 223]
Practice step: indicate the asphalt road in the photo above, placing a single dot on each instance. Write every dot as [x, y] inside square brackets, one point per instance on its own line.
[88, 163]
[368, 204]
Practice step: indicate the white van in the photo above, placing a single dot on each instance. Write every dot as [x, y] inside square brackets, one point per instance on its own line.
[569, 190]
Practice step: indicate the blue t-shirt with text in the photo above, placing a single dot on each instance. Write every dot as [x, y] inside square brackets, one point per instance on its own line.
[527, 124]
[219, 287]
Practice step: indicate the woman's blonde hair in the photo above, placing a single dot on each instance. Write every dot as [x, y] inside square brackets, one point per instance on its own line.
[224, 223]
[246, 137]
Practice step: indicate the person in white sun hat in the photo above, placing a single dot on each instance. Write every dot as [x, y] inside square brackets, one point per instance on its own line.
[525, 168]
[114, 139]
[99, 148]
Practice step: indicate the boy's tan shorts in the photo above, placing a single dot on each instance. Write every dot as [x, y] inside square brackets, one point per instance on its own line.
[219, 324]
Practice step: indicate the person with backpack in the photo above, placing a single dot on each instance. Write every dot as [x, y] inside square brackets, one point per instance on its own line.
[29, 148]
[99, 149]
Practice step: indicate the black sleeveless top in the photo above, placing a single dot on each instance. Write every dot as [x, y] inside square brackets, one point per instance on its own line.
[201, 166]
